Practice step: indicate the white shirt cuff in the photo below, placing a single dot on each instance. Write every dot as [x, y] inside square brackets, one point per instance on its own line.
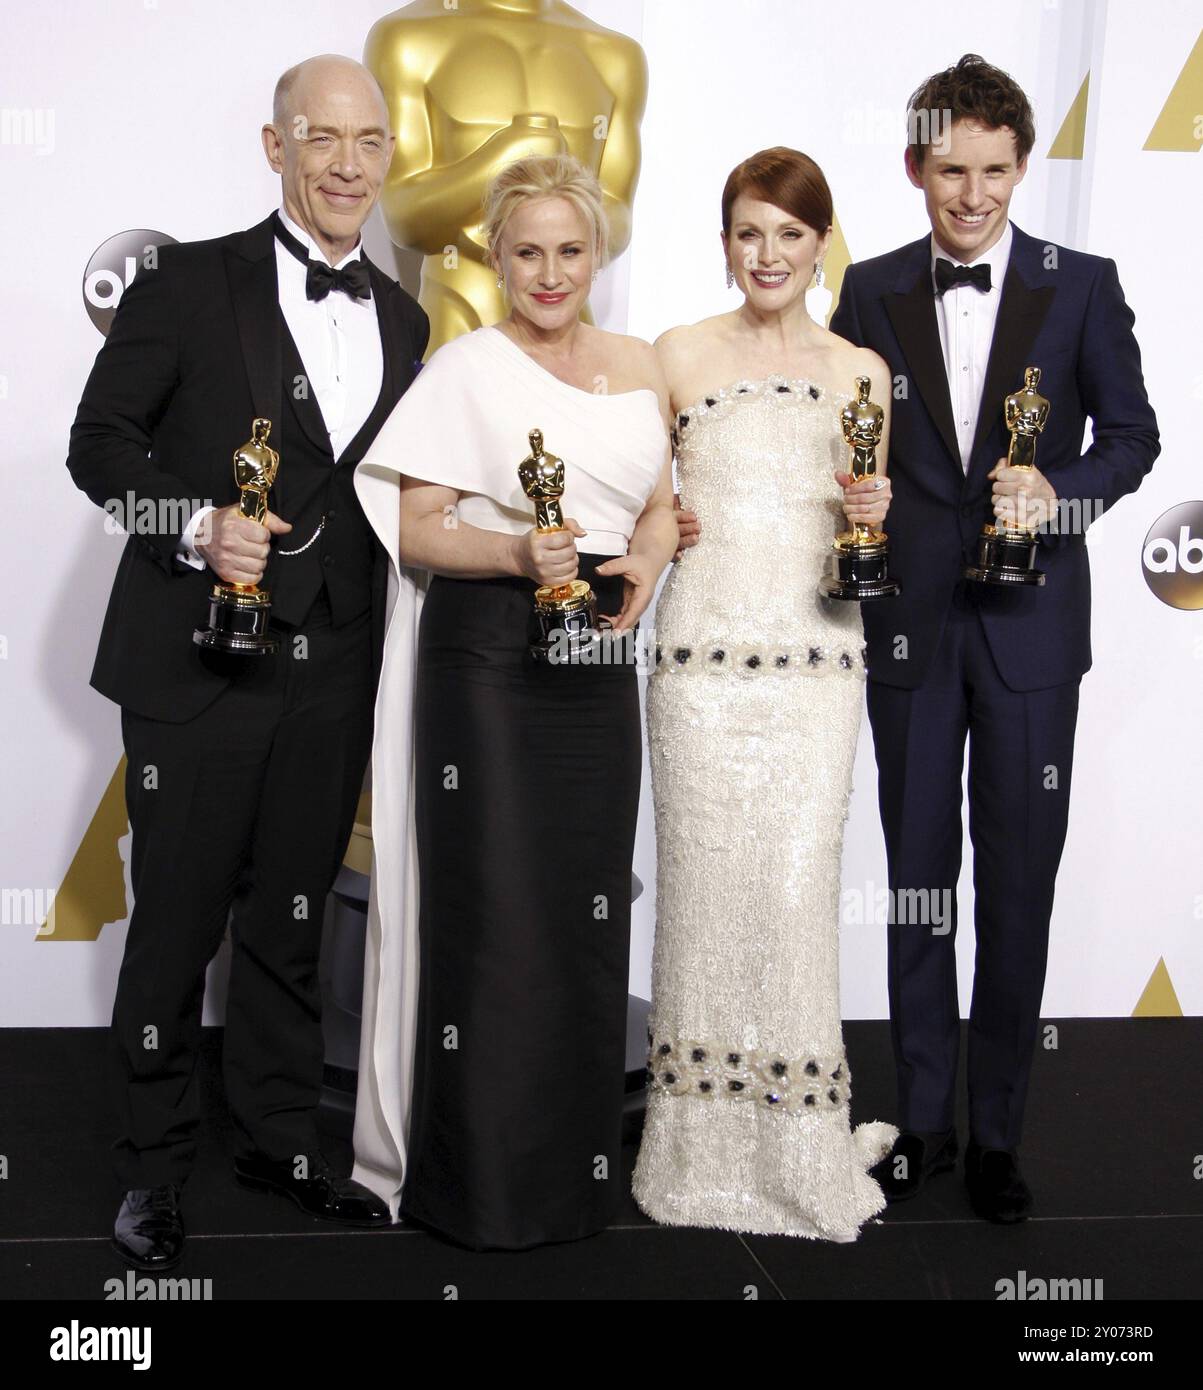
[186, 551]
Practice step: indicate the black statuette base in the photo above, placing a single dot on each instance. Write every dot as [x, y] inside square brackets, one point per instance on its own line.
[563, 637]
[1007, 558]
[237, 623]
[859, 574]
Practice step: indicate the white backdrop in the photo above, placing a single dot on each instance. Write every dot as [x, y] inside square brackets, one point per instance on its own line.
[124, 114]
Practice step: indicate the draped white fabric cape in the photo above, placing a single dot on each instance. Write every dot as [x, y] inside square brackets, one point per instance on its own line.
[463, 423]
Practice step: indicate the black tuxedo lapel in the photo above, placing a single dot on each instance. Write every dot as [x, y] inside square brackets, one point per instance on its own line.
[912, 310]
[392, 378]
[251, 272]
[307, 408]
[302, 398]
[1021, 312]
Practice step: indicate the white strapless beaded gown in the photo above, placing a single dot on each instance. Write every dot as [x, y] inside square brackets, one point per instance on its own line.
[753, 712]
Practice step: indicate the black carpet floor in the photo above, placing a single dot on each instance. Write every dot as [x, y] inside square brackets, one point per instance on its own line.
[1112, 1147]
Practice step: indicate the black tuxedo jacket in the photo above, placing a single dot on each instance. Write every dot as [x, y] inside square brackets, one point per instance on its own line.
[194, 354]
[1061, 311]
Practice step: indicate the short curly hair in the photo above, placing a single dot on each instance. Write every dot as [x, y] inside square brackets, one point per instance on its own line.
[974, 90]
[546, 176]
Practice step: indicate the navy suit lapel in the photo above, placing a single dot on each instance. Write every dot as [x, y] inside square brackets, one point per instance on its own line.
[912, 311]
[1021, 312]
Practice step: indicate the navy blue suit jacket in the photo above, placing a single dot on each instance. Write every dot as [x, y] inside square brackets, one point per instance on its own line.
[1064, 312]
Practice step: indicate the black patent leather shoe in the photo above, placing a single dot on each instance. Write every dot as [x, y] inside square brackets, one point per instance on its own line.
[997, 1191]
[923, 1155]
[320, 1194]
[149, 1230]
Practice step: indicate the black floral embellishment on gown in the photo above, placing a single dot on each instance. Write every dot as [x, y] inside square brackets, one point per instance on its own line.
[707, 1069]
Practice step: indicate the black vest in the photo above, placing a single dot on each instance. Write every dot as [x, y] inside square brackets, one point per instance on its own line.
[310, 485]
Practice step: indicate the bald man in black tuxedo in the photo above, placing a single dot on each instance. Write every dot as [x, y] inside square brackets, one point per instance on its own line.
[244, 772]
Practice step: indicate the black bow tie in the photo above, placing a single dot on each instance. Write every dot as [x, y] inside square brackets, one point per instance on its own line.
[321, 278]
[948, 275]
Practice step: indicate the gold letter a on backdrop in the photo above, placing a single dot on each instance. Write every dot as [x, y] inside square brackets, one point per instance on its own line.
[93, 890]
[1179, 127]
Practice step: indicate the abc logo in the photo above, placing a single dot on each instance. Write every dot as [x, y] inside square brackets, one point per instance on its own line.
[113, 265]
[1173, 556]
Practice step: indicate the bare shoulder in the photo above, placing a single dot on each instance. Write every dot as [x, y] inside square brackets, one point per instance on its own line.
[626, 345]
[688, 339]
[849, 360]
[631, 361]
[689, 355]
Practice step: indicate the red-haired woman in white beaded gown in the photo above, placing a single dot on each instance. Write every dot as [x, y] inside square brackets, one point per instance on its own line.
[753, 710]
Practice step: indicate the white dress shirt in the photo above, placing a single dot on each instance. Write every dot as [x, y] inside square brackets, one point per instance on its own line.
[965, 317]
[338, 339]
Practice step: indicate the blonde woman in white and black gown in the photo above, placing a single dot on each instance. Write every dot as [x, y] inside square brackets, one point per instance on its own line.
[491, 1097]
[753, 712]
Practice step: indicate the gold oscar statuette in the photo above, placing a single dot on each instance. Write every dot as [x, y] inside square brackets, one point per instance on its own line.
[238, 613]
[566, 613]
[473, 86]
[1007, 554]
[860, 556]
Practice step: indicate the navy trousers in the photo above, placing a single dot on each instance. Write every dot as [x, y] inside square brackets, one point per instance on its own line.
[1020, 759]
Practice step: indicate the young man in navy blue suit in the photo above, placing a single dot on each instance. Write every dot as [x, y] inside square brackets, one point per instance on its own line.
[958, 315]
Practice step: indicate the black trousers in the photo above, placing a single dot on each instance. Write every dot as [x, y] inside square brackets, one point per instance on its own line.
[1020, 758]
[250, 805]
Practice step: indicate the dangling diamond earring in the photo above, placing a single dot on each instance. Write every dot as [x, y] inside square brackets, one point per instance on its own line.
[501, 282]
[818, 298]
[730, 276]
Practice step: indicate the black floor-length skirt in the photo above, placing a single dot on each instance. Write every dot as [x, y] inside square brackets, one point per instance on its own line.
[526, 798]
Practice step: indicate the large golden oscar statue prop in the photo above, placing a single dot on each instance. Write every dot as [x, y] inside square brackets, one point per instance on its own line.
[474, 86]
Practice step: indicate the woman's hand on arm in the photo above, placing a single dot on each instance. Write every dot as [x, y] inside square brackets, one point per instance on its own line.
[653, 543]
[654, 540]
